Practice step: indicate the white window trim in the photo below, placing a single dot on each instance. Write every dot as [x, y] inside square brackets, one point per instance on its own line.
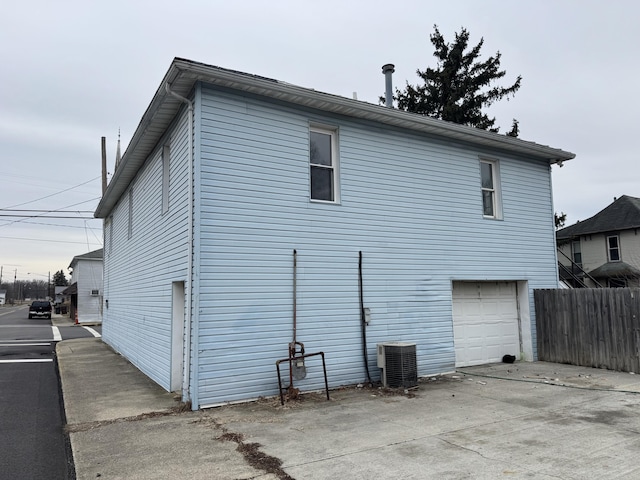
[335, 160]
[497, 190]
[110, 233]
[573, 251]
[130, 219]
[617, 237]
[166, 155]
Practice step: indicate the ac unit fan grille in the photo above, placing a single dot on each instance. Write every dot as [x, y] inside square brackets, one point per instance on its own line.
[401, 368]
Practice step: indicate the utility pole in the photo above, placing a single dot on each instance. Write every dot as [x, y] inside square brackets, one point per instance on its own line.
[104, 164]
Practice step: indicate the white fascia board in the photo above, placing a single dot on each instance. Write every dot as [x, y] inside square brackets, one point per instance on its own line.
[183, 74]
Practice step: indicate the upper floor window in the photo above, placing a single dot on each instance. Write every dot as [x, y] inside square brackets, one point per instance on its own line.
[166, 153]
[323, 165]
[576, 252]
[490, 182]
[110, 220]
[130, 217]
[613, 248]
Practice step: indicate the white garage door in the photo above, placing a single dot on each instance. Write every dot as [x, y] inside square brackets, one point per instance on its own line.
[485, 322]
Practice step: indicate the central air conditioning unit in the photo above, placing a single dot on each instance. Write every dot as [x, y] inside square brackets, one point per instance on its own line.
[398, 363]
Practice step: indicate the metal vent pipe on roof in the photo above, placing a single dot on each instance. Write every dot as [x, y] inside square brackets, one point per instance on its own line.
[388, 70]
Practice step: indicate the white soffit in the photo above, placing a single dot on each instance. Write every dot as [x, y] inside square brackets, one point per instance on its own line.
[183, 74]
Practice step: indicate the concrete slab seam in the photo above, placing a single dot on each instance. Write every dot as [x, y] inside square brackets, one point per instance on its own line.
[550, 383]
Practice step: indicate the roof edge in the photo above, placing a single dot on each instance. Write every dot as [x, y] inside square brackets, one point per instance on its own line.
[183, 74]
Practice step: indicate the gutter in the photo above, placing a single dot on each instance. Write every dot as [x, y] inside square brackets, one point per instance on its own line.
[186, 361]
[183, 74]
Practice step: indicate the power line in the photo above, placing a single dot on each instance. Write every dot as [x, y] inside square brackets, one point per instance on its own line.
[50, 216]
[88, 229]
[63, 225]
[47, 240]
[45, 211]
[45, 216]
[53, 194]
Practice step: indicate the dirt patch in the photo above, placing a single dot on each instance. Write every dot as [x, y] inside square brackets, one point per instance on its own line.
[84, 427]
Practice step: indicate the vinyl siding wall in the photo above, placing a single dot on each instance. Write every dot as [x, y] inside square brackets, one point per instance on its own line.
[595, 251]
[139, 270]
[630, 247]
[411, 204]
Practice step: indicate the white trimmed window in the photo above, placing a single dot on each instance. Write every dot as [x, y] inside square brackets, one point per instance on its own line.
[613, 248]
[576, 252]
[110, 222]
[323, 165]
[490, 183]
[130, 219]
[166, 153]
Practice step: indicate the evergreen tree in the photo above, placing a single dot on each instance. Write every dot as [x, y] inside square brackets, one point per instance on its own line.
[461, 85]
[59, 280]
[515, 129]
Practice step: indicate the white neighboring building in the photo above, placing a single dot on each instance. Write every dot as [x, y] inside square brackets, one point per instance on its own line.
[86, 287]
[59, 297]
[3, 297]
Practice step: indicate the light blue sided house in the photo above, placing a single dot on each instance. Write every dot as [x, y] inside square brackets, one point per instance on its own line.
[228, 173]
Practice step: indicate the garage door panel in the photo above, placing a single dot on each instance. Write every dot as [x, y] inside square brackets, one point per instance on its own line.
[485, 322]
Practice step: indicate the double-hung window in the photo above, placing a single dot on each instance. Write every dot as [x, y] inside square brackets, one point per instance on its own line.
[110, 221]
[489, 178]
[130, 217]
[613, 248]
[323, 165]
[166, 155]
[577, 252]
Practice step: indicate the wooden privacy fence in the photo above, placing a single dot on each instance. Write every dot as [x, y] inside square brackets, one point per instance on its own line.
[591, 327]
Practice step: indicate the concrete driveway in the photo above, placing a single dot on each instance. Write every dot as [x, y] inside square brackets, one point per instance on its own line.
[538, 421]
[523, 421]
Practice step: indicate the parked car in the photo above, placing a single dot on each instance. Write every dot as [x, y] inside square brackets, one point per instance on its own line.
[40, 309]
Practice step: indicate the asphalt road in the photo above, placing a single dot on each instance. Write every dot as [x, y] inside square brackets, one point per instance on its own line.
[32, 442]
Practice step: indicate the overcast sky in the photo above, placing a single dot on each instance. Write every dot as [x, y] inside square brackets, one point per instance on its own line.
[74, 71]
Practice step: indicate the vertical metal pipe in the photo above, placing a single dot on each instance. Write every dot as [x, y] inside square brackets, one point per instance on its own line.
[362, 318]
[292, 345]
[387, 70]
[295, 279]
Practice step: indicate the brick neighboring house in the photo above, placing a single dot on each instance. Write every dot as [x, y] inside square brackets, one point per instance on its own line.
[603, 250]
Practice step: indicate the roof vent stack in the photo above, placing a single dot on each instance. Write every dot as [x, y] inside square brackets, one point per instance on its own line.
[388, 70]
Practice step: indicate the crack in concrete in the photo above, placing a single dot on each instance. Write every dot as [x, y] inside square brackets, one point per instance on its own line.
[455, 445]
[251, 452]
[85, 427]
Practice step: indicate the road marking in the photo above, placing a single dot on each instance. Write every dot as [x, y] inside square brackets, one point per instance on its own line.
[24, 326]
[39, 340]
[25, 344]
[56, 334]
[28, 360]
[92, 332]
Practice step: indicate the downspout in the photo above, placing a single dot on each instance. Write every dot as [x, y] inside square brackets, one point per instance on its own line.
[186, 367]
[553, 210]
[363, 321]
